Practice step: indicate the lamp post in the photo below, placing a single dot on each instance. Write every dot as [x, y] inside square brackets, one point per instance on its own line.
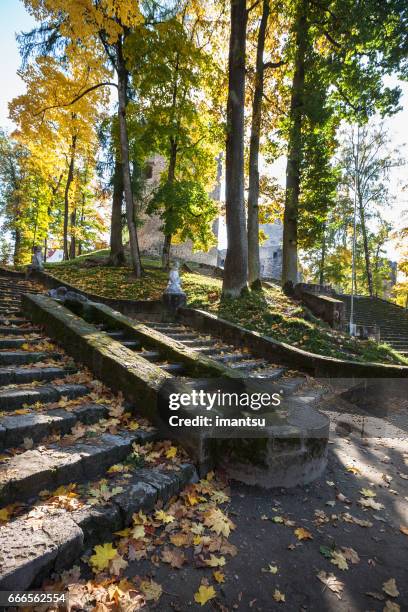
[353, 256]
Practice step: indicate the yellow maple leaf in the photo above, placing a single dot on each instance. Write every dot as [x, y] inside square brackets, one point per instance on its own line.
[278, 596]
[303, 534]
[353, 469]
[368, 493]
[171, 452]
[219, 576]
[204, 594]
[162, 516]
[214, 561]
[133, 426]
[103, 554]
[217, 521]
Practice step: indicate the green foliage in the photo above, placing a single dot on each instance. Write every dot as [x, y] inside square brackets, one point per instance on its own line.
[187, 212]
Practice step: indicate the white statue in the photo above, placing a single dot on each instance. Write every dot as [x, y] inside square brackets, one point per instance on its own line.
[37, 262]
[174, 284]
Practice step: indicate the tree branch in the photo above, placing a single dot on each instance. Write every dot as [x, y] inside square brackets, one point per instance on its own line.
[250, 8]
[78, 97]
[274, 64]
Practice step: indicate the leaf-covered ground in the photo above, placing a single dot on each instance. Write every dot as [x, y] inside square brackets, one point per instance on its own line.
[339, 544]
[269, 312]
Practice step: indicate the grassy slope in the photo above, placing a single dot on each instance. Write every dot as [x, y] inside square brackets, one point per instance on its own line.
[269, 312]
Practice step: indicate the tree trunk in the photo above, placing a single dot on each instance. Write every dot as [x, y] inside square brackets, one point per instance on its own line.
[117, 254]
[290, 219]
[17, 246]
[170, 178]
[254, 266]
[72, 245]
[366, 249]
[66, 195]
[322, 256]
[236, 261]
[124, 148]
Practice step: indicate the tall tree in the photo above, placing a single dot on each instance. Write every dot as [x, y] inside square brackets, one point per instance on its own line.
[169, 66]
[236, 261]
[342, 44]
[294, 158]
[104, 24]
[365, 161]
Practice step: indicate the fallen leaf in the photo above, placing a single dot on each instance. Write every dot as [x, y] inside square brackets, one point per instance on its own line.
[278, 596]
[404, 530]
[338, 559]
[160, 515]
[171, 452]
[151, 590]
[219, 577]
[174, 557]
[353, 470]
[350, 555]
[102, 556]
[368, 493]
[217, 521]
[214, 561]
[331, 582]
[390, 588]
[370, 503]
[391, 606]
[271, 569]
[204, 594]
[303, 534]
[117, 565]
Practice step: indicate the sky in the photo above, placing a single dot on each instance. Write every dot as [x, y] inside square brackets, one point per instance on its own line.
[14, 18]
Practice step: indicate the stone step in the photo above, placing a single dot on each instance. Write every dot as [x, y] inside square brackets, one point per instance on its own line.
[248, 364]
[26, 357]
[38, 425]
[167, 327]
[151, 355]
[14, 321]
[182, 336]
[12, 399]
[20, 376]
[10, 343]
[131, 344]
[214, 350]
[197, 343]
[231, 357]
[25, 475]
[33, 548]
[271, 373]
[117, 335]
[17, 331]
[172, 368]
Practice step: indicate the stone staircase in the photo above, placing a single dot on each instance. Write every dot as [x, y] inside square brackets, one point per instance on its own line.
[391, 319]
[61, 432]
